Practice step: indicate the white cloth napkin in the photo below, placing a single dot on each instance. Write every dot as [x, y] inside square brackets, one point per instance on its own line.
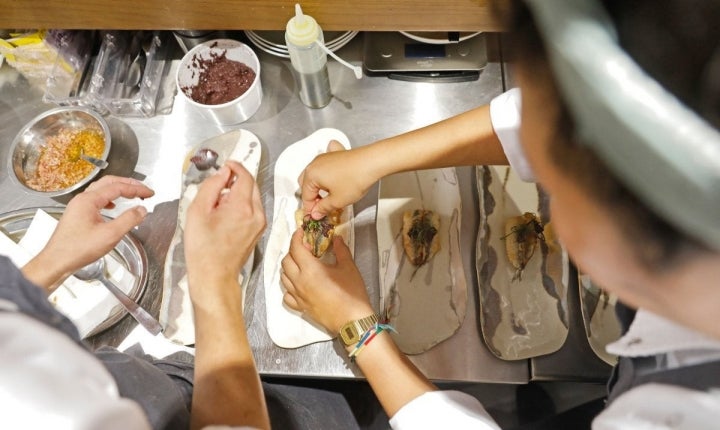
[156, 345]
[87, 304]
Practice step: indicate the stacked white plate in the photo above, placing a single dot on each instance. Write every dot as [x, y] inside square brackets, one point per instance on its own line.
[273, 42]
[438, 37]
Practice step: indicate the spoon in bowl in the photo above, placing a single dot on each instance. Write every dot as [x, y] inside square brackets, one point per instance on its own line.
[96, 271]
[94, 161]
[76, 153]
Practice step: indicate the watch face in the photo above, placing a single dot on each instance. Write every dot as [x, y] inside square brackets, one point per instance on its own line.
[352, 331]
[349, 334]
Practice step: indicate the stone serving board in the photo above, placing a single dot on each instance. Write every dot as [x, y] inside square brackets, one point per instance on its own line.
[425, 304]
[176, 314]
[525, 317]
[286, 327]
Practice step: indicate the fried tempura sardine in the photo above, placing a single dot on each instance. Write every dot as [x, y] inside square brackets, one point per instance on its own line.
[420, 235]
[521, 236]
[318, 233]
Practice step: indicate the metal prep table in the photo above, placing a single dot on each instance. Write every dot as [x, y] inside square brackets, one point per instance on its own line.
[366, 110]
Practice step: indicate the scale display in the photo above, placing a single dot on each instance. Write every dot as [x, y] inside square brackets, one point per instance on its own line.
[392, 52]
[422, 50]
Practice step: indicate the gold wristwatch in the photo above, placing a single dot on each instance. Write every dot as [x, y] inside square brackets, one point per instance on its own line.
[350, 332]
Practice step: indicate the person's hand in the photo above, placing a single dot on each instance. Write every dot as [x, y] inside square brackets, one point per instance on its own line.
[82, 234]
[344, 175]
[330, 294]
[224, 222]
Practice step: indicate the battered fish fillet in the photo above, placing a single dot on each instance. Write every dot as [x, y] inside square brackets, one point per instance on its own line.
[521, 236]
[420, 235]
[318, 233]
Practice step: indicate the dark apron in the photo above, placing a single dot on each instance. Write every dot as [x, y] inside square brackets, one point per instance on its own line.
[629, 373]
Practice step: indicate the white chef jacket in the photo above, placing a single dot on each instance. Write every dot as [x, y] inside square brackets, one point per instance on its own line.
[505, 118]
[49, 382]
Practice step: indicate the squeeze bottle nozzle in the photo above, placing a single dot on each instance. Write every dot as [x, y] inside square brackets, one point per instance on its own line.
[299, 15]
[302, 30]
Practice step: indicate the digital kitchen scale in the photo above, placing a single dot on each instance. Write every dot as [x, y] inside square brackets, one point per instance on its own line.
[401, 57]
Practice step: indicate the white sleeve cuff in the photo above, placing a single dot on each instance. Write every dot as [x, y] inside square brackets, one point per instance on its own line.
[655, 406]
[505, 118]
[443, 409]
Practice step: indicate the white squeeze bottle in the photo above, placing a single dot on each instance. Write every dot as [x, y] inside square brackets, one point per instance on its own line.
[304, 39]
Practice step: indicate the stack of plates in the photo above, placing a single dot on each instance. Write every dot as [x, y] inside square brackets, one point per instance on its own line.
[273, 42]
[438, 37]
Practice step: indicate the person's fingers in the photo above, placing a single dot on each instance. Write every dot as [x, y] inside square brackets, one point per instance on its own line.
[323, 207]
[132, 186]
[289, 267]
[126, 221]
[334, 145]
[111, 187]
[342, 252]
[313, 203]
[257, 205]
[301, 178]
[288, 283]
[300, 254]
[242, 187]
[209, 192]
[110, 179]
[290, 302]
[101, 196]
[309, 193]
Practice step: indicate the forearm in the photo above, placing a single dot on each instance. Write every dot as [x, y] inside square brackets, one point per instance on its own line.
[463, 140]
[227, 387]
[393, 377]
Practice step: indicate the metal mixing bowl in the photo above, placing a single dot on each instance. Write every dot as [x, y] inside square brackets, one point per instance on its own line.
[25, 149]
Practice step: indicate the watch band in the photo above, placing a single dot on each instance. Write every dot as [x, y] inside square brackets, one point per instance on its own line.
[351, 331]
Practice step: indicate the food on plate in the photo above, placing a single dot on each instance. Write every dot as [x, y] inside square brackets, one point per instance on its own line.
[420, 238]
[522, 233]
[59, 165]
[318, 233]
[220, 79]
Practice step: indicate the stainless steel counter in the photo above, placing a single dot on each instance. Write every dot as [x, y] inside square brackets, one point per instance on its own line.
[365, 110]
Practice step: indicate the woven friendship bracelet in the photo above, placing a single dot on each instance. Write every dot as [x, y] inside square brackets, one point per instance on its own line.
[368, 336]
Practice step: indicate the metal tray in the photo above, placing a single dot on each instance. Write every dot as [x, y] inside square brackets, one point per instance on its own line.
[129, 252]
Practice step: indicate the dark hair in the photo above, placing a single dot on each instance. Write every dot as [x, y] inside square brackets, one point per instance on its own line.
[677, 42]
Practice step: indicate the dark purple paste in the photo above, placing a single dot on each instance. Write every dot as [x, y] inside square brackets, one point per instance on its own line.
[221, 79]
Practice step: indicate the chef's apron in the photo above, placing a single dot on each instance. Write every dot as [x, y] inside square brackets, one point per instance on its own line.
[629, 373]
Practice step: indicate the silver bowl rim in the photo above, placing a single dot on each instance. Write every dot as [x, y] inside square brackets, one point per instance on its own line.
[95, 115]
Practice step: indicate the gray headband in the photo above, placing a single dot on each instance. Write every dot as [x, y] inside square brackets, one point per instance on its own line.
[654, 144]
